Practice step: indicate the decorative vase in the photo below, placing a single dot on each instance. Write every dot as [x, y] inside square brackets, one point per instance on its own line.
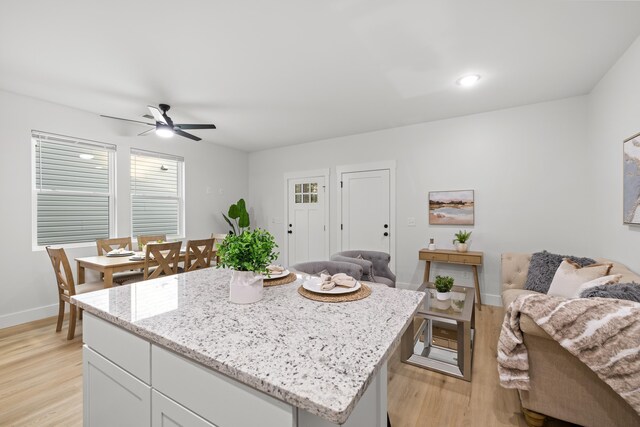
[462, 247]
[246, 287]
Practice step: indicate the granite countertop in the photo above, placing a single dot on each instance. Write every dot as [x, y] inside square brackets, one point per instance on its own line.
[317, 356]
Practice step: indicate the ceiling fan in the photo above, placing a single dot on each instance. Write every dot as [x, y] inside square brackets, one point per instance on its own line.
[164, 126]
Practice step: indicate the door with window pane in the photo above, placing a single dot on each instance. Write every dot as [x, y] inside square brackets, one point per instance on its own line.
[157, 202]
[306, 223]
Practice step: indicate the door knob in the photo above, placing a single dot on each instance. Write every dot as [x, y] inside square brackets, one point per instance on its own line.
[386, 226]
[386, 234]
[290, 232]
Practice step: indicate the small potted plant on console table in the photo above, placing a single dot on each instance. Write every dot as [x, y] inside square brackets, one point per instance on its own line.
[462, 237]
[248, 254]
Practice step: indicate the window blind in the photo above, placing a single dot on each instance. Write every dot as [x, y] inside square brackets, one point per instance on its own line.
[156, 193]
[74, 190]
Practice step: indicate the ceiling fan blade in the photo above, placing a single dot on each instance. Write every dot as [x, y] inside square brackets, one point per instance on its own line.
[128, 120]
[186, 135]
[148, 116]
[188, 126]
[157, 114]
[147, 132]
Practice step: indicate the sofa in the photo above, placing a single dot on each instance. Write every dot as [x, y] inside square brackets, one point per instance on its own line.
[561, 386]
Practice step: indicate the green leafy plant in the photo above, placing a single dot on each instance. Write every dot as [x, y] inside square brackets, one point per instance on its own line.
[238, 213]
[444, 283]
[462, 236]
[248, 251]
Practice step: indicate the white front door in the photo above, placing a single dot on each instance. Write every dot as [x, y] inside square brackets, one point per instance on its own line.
[365, 216]
[307, 222]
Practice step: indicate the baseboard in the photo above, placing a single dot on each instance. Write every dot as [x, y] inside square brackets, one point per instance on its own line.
[13, 319]
[488, 299]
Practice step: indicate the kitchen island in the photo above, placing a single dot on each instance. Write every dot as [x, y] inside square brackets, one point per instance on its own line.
[175, 351]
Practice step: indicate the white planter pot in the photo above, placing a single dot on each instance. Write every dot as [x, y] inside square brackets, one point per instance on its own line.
[462, 247]
[246, 287]
[443, 296]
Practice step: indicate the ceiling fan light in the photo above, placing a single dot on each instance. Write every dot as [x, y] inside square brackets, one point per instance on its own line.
[164, 131]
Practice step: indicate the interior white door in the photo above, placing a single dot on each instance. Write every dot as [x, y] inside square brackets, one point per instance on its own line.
[366, 210]
[306, 222]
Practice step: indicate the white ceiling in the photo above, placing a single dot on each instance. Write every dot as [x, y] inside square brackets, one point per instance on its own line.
[273, 73]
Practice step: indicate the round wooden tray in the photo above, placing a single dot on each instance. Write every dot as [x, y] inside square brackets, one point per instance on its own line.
[291, 277]
[361, 293]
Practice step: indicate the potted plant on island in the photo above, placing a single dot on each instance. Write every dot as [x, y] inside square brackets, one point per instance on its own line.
[248, 254]
[462, 237]
[443, 287]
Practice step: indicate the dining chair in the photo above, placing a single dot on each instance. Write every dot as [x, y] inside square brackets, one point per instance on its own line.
[167, 256]
[217, 239]
[107, 245]
[67, 288]
[143, 240]
[198, 254]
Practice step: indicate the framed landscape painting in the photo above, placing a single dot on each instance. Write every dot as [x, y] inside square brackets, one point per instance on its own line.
[631, 180]
[451, 207]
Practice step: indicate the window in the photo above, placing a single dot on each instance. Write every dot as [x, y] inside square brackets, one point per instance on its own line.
[73, 189]
[306, 193]
[157, 201]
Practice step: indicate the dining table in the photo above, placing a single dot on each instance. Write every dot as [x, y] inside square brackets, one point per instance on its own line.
[108, 265]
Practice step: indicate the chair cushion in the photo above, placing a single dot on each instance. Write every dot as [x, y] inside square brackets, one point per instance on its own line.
[128, 276]
[384, 280]
[89, 287]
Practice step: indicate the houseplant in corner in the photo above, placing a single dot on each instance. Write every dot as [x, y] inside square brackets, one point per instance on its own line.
[443, 287]
[248, 254]
[462, 237]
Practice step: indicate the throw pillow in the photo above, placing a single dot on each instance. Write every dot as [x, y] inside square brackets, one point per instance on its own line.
[543, 267]
[600, 281]
[571, 275]
[628, 291]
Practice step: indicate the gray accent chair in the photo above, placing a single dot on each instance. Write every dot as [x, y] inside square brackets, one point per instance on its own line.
[375, 265]
[333, 267]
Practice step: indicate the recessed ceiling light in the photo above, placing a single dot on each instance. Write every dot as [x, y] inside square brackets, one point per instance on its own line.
[469, 80]
[86, 156]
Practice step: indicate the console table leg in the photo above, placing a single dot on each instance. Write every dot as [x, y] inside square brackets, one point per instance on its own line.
[427, 271]
[477, 284]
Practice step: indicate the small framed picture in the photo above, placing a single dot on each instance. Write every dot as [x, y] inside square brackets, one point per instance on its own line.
[451, 207]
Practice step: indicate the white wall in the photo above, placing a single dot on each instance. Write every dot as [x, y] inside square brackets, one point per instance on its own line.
[27, 285]
[614, 115]
[529, 167]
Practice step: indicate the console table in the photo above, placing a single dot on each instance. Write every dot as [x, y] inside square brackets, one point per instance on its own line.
[473, 259]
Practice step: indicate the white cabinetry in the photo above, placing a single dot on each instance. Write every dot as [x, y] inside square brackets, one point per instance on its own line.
[130, 382]
[167, 413]
[113, 397]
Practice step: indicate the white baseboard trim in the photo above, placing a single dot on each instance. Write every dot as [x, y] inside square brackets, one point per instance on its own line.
[488, 299]
[13, 319]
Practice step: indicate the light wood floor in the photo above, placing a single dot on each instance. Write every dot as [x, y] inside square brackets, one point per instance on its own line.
[41, 382]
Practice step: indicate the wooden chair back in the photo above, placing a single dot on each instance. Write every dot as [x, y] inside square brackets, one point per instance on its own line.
[107, 245]
[62, 270]
[143, 240]
[198, 254]
[166, 255]
[217, 239]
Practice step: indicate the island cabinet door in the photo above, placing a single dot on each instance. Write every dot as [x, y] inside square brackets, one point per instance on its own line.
[112, 397]
[167, 413]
